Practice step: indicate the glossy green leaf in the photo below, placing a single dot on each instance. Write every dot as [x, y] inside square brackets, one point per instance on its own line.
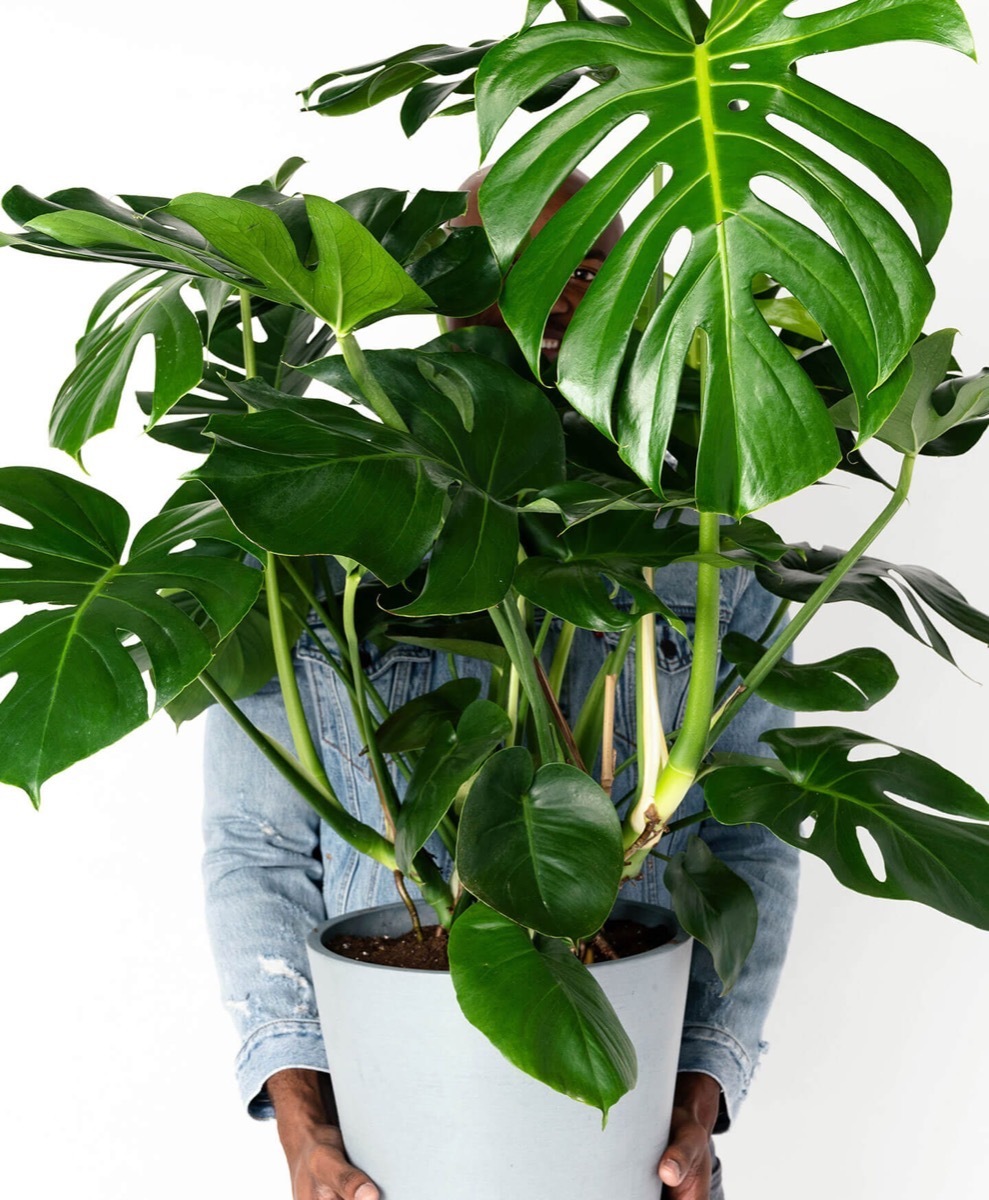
[353, 280]
[714, 905]
[852, 681]
[934, 405]
[585, 593]
[413, 725]
[88, 400]
[871, 581]
[541, 1008]
[340, 93]
[448, 761]
[543, 846]
[936, 860]
[77, 688]
[718, 98]
[474, 558]
[461, 276]
[324, 480]
[914, 421]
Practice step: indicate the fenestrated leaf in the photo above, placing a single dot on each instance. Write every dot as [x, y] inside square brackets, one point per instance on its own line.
[716, 95]
[413, 725]
[353, 280]
[445, 765]
[542, 847]
[714, 905]
[848, 682]
[541, 1008]
[88, 400]
[77, 688]
[926, 857]
[870, 582]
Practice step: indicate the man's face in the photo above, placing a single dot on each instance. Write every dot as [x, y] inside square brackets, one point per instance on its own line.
[583, 276]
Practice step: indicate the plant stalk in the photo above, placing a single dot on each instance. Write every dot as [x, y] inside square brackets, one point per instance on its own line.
[508, 622]
[362, 837]
[247, 336]
[818, 597]
[375, 395]
[647, 820]
[301, 736]
[382, 778]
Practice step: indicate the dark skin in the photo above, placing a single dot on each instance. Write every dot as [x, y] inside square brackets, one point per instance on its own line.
[304, 1107]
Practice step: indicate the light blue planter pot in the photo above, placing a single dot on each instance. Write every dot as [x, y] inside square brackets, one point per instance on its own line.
[431, 1111]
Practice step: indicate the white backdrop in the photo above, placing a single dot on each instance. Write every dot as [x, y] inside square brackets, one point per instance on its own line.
[116, 1051]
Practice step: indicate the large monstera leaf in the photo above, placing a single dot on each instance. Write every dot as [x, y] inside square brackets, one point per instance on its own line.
[719, 97]
[830, 784]
[78, 687]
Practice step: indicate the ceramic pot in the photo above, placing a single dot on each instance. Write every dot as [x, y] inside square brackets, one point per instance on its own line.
[432, 1111]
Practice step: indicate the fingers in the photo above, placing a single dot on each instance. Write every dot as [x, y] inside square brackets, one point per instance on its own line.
[324, 1172]
[685, 1167]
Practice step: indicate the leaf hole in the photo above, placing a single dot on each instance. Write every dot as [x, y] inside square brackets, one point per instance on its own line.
[849, 166]
[784, 199]
[740, 66]
[871, 853]
[677, 250]
[853, 683]
[7, 685]
[14, 520]
[188, 544]
[738, 105]
[807, 827]
[871, 752]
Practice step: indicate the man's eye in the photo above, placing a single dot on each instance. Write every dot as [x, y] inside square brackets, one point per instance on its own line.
[585, 274]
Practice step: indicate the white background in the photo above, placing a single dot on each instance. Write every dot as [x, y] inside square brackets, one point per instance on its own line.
[116, 1051]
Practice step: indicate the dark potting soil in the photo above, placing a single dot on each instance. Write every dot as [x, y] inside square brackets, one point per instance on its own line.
[621, 939]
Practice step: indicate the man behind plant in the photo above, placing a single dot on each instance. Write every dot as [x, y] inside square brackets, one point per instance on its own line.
[267, 883]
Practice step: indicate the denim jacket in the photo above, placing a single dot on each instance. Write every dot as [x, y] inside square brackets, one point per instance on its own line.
[273, 870]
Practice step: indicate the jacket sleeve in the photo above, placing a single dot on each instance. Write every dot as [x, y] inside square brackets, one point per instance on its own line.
[262, 872]
[722, 1035]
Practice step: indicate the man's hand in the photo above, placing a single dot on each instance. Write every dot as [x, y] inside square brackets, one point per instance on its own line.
[318, 1167]
[685, 1167]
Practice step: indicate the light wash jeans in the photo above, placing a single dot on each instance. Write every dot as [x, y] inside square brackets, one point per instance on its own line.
[273, 870]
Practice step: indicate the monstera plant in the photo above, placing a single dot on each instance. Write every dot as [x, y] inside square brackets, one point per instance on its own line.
[686, 397]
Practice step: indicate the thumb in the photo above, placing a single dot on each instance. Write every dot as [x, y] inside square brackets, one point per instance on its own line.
[684, 1156]
[361, 1188]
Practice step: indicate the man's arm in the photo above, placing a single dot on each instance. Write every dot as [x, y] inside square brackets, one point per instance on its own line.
[308, 1130]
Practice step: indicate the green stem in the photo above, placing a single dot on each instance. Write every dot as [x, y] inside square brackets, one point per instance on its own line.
[821, 594]
[247, 336]
[508, 623]
[653, 752]
[362, 837]
[588, 729]
[382, 778]
[735, 674]
[375, 395]
[301, 736]
[646, 821]
[561, 656]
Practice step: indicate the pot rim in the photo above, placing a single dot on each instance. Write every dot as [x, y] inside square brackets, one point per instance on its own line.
[316, 944]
